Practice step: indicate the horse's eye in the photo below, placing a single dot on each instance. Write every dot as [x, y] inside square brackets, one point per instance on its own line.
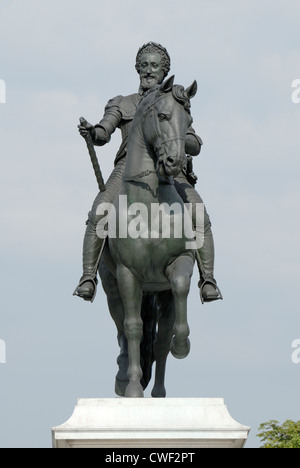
[162, 117]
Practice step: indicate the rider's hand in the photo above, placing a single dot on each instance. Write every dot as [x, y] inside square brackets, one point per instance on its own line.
[85, 128]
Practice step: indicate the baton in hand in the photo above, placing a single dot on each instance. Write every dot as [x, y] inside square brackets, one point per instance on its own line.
[93, 156]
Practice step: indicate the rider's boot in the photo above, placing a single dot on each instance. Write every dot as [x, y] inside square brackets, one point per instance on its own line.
[87, 286]
[209, 290]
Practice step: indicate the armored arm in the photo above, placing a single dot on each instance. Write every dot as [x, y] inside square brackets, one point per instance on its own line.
[102, 131]
[193, 142]
[193, 145]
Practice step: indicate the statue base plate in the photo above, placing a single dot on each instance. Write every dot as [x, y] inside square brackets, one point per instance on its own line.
[150, 423]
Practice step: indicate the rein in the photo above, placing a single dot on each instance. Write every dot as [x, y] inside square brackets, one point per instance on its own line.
[160, 144]
[140, 176]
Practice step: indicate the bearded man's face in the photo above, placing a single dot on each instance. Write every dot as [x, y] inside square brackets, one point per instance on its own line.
[151, 70]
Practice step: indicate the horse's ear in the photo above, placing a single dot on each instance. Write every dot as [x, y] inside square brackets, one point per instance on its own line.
[192, 90]
[167, 85]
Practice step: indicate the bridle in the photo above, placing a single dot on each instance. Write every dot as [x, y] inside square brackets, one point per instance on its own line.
[159, 147]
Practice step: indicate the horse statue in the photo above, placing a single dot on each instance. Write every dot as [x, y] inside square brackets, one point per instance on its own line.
[146, 277]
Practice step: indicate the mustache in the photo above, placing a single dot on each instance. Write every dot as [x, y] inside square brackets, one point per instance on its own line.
[148, 75]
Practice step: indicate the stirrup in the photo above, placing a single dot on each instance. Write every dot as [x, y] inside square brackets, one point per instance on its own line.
[83, 280]
[214, 284]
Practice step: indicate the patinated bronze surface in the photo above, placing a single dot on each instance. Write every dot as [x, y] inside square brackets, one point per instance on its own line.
[145, 273]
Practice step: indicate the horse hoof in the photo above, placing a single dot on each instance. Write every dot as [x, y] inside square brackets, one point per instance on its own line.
[120, 387]
[134, 390]
[180, 351]
[159, 392]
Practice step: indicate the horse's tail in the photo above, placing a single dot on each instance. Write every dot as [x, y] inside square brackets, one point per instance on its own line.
[149, 314]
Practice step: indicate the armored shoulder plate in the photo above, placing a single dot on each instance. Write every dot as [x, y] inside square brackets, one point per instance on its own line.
[126, 105]
[114, 102]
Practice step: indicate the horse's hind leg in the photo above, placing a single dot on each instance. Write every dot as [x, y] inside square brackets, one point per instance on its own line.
[165, 304]
[131, 294]
[116, 310]
[179, 274]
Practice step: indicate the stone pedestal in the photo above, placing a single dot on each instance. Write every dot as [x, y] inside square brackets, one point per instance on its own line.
[150, 423]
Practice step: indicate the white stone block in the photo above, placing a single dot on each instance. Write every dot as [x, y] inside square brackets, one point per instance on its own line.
[150, 423]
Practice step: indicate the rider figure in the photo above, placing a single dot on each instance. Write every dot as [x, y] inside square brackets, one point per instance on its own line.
[152, 65]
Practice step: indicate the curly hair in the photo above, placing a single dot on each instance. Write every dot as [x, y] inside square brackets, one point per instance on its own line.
[154, 48]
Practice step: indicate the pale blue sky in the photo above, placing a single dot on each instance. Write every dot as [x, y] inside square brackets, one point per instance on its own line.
[63, 59]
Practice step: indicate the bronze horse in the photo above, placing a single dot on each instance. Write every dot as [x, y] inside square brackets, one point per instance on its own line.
[147, 276]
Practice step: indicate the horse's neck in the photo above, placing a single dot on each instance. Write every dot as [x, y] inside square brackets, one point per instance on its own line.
[138, 160]
[140, 179]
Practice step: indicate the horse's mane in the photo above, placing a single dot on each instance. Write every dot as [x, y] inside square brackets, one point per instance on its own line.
[180, 95]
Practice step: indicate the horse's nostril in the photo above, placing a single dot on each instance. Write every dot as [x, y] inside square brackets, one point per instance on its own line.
[170, 159]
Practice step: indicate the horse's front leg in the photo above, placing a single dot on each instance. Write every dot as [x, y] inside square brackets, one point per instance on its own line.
[131, 294]
[179, 274]
[116, 309]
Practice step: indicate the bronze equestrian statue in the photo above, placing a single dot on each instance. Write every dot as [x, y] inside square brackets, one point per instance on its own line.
[147, 280]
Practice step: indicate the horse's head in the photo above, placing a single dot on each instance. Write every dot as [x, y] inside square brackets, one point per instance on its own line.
[166, 120]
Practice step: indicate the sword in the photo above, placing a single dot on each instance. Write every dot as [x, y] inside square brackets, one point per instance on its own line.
[93, 156]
